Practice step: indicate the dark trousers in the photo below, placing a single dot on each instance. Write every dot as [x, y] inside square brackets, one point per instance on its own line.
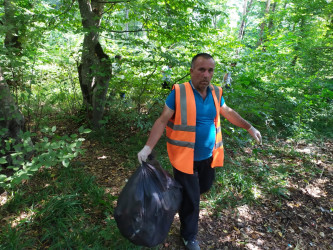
[193, 185]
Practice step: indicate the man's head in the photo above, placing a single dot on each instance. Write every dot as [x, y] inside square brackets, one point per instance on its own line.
[202, 70]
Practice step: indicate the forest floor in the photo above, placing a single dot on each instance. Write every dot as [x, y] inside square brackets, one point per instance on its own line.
[301, 220]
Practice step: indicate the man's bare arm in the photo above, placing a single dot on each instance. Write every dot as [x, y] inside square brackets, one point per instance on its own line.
[233, 117]
[159, 126]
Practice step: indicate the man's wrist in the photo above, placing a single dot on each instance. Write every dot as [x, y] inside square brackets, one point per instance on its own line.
[249, 128]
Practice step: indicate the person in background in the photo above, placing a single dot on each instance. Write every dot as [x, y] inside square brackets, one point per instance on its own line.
[191, 116]
[116, 70]
[227, 79]
[166, 72]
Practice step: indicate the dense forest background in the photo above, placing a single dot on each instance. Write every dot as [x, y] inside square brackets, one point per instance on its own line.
[81, 83]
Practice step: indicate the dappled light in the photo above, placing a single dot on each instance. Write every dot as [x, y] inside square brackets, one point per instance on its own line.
[3, 198]
[83, 82]
[314, 191]
[23, 217]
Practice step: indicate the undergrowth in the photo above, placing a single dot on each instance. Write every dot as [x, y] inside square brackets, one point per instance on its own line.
[60, 208]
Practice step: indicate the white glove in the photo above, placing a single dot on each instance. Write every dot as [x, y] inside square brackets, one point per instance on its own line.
[144, 153]
[255, 134]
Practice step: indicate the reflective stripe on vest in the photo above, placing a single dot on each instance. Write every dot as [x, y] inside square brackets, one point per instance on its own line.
[181, 128]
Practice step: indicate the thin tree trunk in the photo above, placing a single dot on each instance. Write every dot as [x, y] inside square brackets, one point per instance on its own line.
[246, 9]
[263, 24]
[242, 27]
[95, 67]
[270, 25]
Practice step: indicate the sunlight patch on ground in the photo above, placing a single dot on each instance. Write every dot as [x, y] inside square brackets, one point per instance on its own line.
[14, 220]
[256, 192]
[204, 212]
[304, 150]
[313, 190]
[293, 204]
[22, 216]
[3, 198]
[252, 246]
[244, 212]
[102, 157]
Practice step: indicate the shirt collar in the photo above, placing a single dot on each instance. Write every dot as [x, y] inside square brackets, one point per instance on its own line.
[208, 89]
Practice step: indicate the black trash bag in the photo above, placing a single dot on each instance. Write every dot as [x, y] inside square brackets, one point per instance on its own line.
[147, 205]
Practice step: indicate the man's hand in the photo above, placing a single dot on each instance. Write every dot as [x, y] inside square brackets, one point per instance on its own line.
[144, 153]
[255, 134]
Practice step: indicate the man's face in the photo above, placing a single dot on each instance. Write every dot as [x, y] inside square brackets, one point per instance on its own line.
[202, 73]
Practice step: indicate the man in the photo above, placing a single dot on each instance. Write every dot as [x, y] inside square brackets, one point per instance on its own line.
[227, 79]
[117, 74]
[191, 117]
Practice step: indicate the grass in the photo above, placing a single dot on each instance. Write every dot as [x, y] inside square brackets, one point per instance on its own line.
[60, 209]
[64, 208]
[265, 173]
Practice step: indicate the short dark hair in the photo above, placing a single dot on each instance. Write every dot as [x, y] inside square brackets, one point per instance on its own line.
[204, 55]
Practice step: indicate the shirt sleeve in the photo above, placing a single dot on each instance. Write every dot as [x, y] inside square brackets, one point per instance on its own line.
[222, 101]
[170, 101]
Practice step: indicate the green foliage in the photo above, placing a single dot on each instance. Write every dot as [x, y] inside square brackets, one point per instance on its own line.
[266, 173]
[27, 158]
[68, 207]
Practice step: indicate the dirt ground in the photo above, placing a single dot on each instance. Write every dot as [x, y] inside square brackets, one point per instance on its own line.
[304, 220]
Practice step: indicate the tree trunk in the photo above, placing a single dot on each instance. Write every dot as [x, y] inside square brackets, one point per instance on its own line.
[10, 116]
[95, 67]
[263, 24]
[11, 119]
[12, 42]
[246, 10]
[242, 27]
[270, 25]
[11, 38]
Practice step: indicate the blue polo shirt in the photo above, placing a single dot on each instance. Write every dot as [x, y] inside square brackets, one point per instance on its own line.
[205, 127]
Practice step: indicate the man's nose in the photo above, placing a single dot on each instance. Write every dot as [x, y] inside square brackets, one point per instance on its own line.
[206, 73]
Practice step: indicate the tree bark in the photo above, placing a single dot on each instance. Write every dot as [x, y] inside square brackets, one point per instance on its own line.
[10, 116]
[11, 38]
[270, 25]
[11, 119]
[95, 67]
[263, 24]
[242, 27]
[246, 10]
[12, 42]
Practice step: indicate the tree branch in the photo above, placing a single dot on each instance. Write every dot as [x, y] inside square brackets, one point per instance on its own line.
[126, 31]
[52, 21]
[181, 78]
[115, 2]
[324, 47]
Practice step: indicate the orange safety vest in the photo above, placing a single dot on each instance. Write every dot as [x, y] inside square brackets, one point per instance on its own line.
[180, 130]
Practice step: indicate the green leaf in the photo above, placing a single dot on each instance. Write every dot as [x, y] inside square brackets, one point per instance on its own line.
[65, 163]
[2, 177]
[83, 130]
[3, 160]
[54, 128]
[15, 168]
